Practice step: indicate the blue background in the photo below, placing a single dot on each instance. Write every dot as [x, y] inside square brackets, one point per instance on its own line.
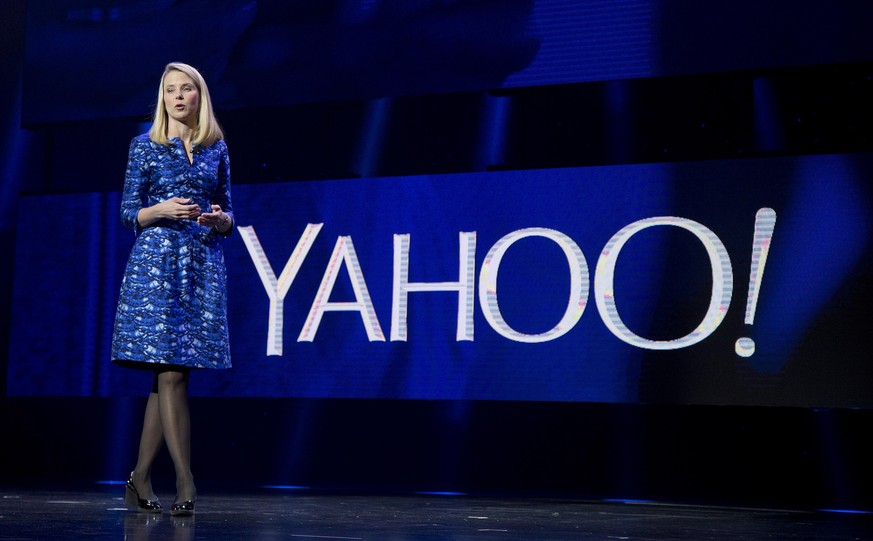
[257, 53]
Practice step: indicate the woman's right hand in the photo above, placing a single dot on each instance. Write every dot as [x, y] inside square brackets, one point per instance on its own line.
[175, 208]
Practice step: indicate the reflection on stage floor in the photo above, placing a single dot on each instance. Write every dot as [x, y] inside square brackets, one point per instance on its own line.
[97, 513]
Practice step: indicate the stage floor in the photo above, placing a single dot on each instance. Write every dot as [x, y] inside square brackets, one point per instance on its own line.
[270, 514]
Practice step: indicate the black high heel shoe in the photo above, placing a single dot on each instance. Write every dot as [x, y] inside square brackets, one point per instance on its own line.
[182, 509]
[131, 497]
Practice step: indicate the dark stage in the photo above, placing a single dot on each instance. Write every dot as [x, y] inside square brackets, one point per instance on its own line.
[98, 513]
[394, 470]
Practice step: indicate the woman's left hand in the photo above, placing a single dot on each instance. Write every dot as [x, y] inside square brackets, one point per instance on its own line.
[217, 219]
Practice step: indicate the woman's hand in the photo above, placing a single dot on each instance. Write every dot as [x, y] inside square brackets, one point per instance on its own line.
[217, 219]
[175, 208]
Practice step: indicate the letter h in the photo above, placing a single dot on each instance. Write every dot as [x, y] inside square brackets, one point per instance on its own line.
[465, 286]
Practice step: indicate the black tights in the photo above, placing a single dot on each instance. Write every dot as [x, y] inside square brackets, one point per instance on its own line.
[167, 420]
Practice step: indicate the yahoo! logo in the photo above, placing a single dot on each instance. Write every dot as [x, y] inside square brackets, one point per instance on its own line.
[578, 271]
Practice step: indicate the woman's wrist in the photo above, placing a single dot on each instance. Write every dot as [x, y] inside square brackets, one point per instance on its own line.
[225, 223]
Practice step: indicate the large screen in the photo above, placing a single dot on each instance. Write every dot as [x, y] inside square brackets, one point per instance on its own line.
[715, 282]
[89, 59]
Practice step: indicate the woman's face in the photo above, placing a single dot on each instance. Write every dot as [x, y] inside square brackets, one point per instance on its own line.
[181, 97]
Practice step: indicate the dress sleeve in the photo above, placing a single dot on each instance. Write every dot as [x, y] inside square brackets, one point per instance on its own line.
[222, 188]
[134, 196]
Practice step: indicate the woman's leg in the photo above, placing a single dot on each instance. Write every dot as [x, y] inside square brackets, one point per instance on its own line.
[176, 423]
[150, 442]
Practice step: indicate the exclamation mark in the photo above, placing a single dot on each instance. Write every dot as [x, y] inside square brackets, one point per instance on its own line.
[765, 222]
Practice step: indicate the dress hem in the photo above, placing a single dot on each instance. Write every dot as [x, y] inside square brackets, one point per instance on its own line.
[151, 365]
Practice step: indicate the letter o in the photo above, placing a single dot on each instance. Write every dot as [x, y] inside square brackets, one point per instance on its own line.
[722, 283]
[578, 285]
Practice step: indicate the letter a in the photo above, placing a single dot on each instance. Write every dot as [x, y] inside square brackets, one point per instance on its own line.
[343, 252]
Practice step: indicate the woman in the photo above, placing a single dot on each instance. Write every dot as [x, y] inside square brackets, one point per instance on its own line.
[172, 309]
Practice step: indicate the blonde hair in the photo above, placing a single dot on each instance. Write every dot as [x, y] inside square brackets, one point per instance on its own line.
[207, 131]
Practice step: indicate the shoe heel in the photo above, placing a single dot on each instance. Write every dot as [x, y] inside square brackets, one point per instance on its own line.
[130, 495]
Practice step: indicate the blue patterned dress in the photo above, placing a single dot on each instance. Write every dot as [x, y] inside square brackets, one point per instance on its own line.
[172, 308]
